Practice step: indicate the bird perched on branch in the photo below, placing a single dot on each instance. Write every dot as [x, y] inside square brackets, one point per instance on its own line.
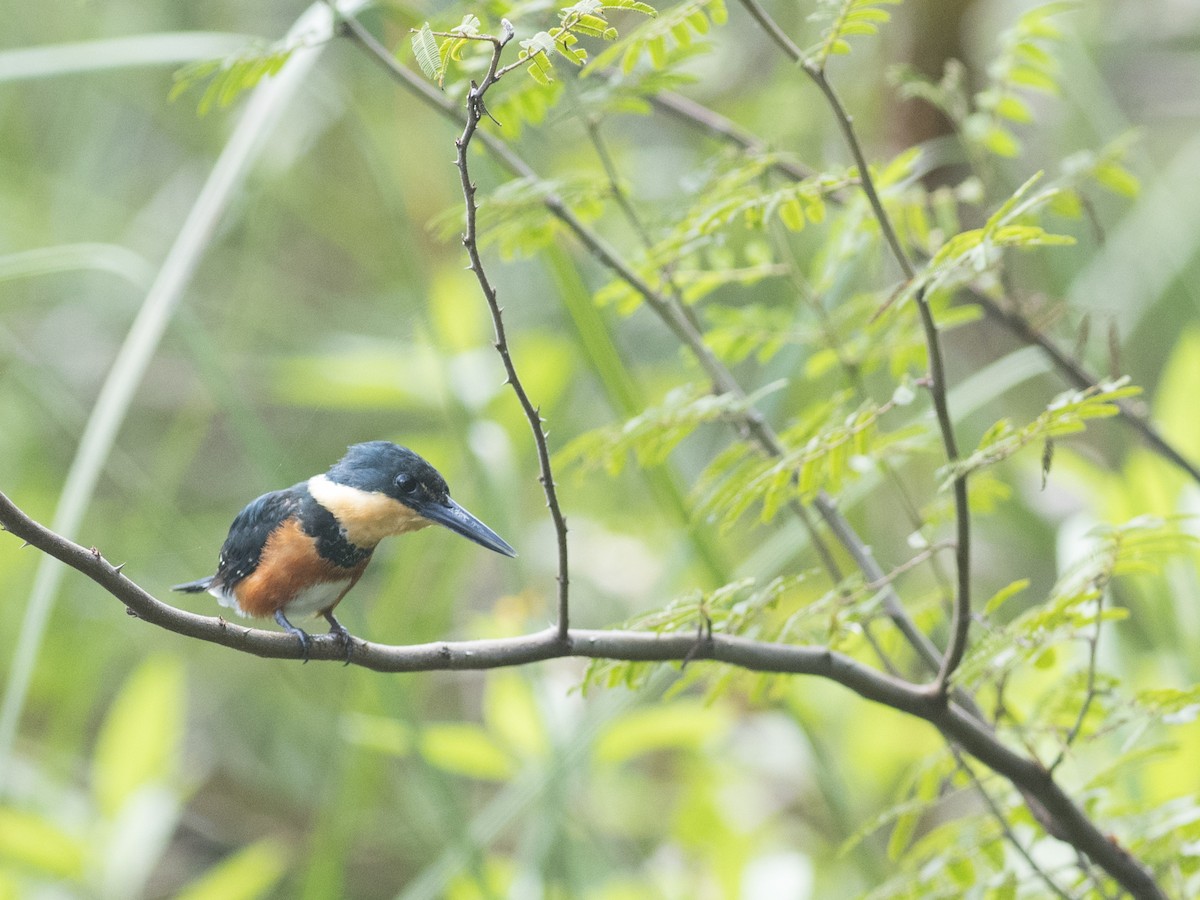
[300, 550]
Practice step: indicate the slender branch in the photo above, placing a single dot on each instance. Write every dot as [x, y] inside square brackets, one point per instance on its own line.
[1078, 375]
[688, 110]
[1090, 689]
[953, 722]
[475, 113]
[960, 622]
[998, 815]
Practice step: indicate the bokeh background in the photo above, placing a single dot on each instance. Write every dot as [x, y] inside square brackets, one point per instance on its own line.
[325, 307]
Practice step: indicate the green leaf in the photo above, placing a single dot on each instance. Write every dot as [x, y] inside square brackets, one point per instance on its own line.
[427, 54]
[654, 38]
[1066, 414]
[851, 18]
[228, 78]
[1117, 179]
[140, 739]
[247, 874]
[512, 715]
[791, 214]
[37, 844]
[1004, 594]
[681, 725]
[378, 733]
[464, 748]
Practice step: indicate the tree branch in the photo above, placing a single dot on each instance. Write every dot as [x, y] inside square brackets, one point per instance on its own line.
[953, 722]
[1075, 373]
[475, 112]
[960, 623]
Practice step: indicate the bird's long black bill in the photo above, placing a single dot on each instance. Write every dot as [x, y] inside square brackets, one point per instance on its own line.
[462, 522]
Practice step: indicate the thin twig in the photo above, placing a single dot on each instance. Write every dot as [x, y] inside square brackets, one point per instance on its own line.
[475, 112]
[1074, 371]
[1090, 689]
[675, 299]
[688, 110]
[1009, 835]
[960, 621]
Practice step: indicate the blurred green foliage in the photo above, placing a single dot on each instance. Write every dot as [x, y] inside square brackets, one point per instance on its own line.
[329, 305]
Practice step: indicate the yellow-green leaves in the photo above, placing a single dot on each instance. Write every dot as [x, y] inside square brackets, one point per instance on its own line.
[968, 254]
[1076, 603]
[36, 844]
[433, 56]
[228, 78]
[1067, 414]
[651, 436]
[850, 18]
[679, 725]
[140, 740]
[1025, 64]
[821, 453]
[653, 40]
[587, 18]
[246, 874]
[465, 748]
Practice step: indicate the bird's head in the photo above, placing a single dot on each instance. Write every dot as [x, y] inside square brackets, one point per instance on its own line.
[381, 486]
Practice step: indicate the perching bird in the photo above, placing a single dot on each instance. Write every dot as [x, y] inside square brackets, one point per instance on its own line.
[299, 551]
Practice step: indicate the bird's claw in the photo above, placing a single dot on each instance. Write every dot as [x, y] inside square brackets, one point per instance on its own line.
[301, 636]
[338, 630]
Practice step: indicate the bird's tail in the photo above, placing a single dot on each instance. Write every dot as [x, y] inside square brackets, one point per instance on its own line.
[195, 587]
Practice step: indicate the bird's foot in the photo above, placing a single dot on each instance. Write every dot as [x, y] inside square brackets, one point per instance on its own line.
[338, 630]
[302, 637]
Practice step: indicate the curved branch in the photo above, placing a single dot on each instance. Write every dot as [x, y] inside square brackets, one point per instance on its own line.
[960, 623]
[920, 701]
[475, 113]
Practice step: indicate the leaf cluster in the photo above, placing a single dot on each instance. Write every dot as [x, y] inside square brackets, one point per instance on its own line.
[434, 56]
[845, 19]
[228, 78]
[651, 436]
[1075, 605]
[678, 27]
[822, 451]
[1025, 64]
[513, 219]
[1067, 414]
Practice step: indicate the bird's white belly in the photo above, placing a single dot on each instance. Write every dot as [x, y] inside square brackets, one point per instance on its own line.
[312, 600]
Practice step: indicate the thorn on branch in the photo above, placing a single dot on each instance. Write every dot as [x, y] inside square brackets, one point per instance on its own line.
[117, 568]
[484, 110]
[129, 612]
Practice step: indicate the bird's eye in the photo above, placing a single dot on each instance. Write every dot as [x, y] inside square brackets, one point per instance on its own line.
[406, 483]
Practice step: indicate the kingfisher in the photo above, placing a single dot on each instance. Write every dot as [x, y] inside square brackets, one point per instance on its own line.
[300, 550]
